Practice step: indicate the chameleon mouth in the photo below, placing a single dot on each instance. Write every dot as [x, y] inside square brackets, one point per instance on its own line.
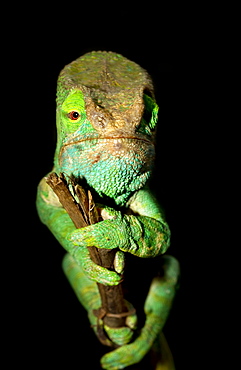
[117, 145]
[115, 139]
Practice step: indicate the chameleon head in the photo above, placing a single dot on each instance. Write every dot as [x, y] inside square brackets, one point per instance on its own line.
[106, 121]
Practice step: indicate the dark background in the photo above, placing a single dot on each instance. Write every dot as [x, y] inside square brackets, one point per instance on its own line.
[48, 324]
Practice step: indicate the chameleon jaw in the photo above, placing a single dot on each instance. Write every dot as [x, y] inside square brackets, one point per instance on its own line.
[115, 139]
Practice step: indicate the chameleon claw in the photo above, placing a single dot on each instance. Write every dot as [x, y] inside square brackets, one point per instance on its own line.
[93, 271]
[100, 274]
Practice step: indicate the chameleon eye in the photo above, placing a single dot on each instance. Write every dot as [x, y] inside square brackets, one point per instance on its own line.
[74, 115]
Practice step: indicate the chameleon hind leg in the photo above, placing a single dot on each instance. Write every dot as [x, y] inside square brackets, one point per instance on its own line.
[88, 294]
[157, 308]
[85, 289]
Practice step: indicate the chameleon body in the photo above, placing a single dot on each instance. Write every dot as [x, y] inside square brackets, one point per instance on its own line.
[106, 123]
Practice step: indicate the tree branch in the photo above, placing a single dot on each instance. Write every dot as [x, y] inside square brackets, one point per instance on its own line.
[83, 213]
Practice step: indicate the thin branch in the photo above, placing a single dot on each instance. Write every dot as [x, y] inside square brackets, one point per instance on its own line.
[84, 213]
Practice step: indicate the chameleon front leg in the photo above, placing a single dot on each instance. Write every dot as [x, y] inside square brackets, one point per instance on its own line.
[144, 234]
[58, 221]
[157, 308]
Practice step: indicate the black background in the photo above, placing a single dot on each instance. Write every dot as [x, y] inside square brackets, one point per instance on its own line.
[48, 324]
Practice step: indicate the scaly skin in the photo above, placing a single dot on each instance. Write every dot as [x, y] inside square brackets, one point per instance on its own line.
[106, 121]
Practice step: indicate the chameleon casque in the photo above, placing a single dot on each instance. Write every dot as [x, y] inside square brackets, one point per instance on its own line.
[106, 124]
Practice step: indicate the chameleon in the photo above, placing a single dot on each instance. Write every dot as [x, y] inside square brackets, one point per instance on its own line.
[106, 118]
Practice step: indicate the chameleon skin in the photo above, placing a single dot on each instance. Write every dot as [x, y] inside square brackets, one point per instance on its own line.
[106, 122]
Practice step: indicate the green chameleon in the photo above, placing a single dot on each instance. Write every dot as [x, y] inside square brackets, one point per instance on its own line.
[106, 124]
